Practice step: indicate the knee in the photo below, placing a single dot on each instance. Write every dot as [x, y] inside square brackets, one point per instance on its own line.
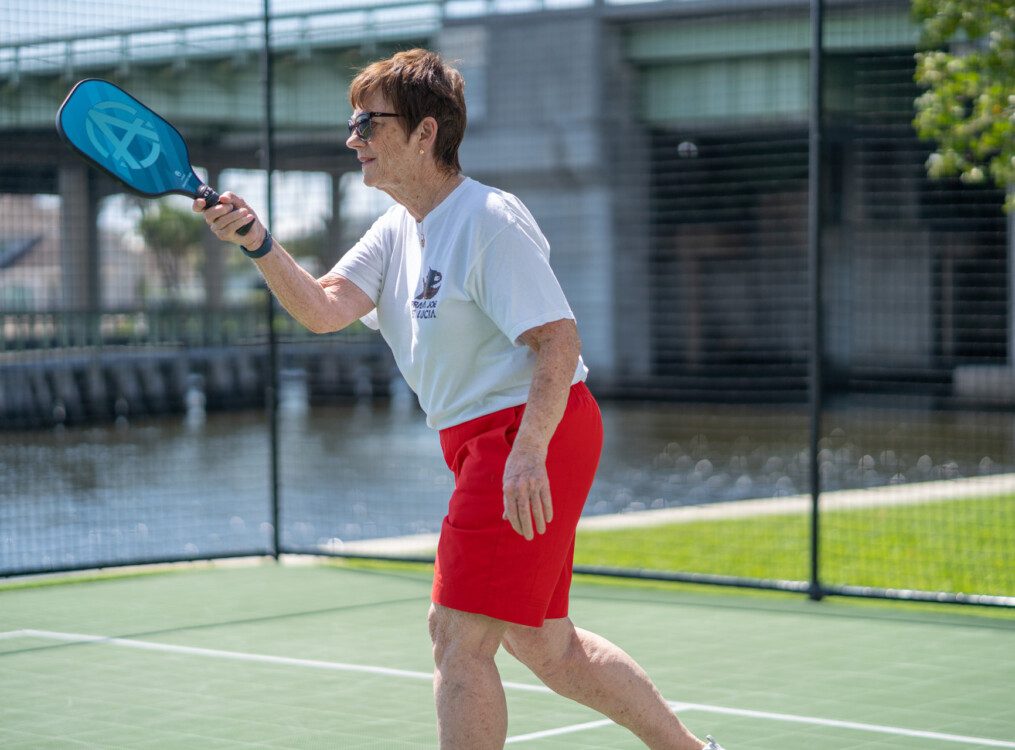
[543, 651]
[433, 623]
[457, 635]
[440, 639]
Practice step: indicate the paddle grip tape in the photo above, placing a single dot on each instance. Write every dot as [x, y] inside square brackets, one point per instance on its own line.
[211, 198]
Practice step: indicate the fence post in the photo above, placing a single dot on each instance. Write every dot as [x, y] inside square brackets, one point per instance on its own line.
[814, 281]
[271, 384]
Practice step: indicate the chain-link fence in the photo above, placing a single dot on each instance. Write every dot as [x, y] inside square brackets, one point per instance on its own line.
[156, 407]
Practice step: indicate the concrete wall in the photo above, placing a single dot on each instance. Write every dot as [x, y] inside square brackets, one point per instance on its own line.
[539, 91]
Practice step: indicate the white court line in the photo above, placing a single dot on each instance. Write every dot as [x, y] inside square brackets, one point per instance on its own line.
[878, 728]
[558, 731]
[241, 656]
[387, 671]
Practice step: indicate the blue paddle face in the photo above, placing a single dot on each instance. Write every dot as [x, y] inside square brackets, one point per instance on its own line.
[121, 136]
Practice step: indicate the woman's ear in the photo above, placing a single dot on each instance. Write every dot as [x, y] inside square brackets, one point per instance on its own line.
[427, 131]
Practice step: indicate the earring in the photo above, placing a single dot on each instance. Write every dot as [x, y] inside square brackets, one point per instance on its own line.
[421, 152]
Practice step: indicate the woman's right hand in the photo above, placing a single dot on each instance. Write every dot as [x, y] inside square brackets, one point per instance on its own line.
[229, 215]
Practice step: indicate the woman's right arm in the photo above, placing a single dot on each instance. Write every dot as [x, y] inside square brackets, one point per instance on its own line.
[321, 305]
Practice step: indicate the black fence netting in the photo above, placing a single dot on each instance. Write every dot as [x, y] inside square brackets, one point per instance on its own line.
[156, 406]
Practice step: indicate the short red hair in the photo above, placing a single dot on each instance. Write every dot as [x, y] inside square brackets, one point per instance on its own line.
[419, 84]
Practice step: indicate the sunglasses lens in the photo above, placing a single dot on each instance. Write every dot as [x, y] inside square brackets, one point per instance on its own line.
[361, 126]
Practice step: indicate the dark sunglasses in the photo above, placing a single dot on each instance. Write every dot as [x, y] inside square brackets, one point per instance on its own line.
[362, 124]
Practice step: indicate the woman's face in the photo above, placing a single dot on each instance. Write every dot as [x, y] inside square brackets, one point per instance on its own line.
[386, 160]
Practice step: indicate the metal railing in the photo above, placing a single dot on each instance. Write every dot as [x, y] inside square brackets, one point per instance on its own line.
[353, 24]
[42, 330]
[237, 37]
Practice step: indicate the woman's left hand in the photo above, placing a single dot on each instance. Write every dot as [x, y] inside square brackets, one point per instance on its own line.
[527, 502]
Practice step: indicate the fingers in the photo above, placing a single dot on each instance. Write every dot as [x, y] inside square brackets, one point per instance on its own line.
[226, 227]
[528, 506]
[547, 502]
[538, 516]
[517, 513]
[226, 217]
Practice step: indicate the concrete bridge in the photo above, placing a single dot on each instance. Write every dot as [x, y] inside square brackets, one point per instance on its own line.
[205, 78]
[564, 96]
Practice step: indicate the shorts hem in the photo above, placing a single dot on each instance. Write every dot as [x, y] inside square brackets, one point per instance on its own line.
[532, 617]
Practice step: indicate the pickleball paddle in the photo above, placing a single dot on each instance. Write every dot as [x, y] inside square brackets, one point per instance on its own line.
[116, 133]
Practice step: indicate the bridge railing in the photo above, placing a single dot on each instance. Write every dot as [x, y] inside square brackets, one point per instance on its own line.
[44, 330]
[356, 23]
[236, 37]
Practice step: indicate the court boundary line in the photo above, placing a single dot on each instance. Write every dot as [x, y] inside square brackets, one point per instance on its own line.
[558, 731]
[508, 685]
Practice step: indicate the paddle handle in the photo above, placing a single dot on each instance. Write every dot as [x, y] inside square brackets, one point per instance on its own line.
[211, 198]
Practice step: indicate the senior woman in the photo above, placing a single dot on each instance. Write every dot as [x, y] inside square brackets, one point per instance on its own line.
[457, 279]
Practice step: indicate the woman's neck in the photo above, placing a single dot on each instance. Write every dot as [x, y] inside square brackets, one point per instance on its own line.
[426, 193]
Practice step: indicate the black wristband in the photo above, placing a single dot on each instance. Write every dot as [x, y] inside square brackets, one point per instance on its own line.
[263, 250]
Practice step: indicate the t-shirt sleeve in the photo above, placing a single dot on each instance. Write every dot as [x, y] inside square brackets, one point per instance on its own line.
[365, 264]
[512, 282]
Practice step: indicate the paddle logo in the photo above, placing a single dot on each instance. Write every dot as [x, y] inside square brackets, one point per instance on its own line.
[114, 127]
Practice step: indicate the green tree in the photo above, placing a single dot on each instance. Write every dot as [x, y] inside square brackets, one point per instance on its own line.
[968, 67]
[174, 237]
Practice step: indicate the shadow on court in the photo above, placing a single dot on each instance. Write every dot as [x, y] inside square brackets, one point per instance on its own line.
[332, 656]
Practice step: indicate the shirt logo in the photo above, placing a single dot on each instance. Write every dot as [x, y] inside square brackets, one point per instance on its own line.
[423, 304]
[432, 285]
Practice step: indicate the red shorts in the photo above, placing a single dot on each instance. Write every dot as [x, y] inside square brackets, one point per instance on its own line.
[483, 565]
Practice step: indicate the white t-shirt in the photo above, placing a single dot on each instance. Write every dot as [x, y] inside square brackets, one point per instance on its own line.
[453, 294]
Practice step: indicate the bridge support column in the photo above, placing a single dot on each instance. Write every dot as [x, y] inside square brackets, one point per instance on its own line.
[573, 151]
[334, 248]
[79, 239]
[214, 259]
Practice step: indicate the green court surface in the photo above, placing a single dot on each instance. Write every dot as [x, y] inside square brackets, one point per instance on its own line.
[329, 656]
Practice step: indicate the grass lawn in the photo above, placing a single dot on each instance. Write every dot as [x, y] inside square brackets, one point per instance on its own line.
[953, 546]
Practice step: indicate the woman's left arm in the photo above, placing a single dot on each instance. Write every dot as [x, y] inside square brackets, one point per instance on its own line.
[527, 502]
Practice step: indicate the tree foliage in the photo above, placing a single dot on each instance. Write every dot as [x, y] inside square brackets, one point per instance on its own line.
[174, 236]
[968, 67]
